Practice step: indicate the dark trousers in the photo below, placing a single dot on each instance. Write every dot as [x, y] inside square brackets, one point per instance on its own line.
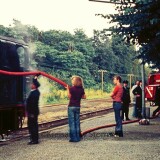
[125, 110]
[156, 110]
[139, 107]
[33, 128]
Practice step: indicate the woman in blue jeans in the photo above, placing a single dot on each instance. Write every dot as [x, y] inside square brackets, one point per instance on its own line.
[75, 94]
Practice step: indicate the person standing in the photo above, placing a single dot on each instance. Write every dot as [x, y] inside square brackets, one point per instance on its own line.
[32, 108]
[134, 114]
[138, 93]
[75, 94]
[126, 100]
[156, 112]
[117, 105]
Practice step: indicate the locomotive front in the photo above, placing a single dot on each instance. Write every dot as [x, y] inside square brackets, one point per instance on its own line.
[14, 57]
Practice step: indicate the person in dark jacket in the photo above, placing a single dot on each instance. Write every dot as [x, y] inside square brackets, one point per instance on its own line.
[126, 100]
[133, 99]
[32, 109]
[138, 93]
[156, 112]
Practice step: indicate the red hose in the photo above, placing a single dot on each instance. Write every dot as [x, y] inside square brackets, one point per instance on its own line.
[106, 126]
[63, 84]
[34, 73]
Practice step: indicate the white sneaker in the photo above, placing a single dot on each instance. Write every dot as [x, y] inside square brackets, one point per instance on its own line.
[116, 135]
[3, 140]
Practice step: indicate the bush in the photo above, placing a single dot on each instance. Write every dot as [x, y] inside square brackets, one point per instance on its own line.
[50, 93]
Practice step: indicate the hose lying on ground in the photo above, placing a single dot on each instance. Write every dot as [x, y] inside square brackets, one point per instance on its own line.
[106, 126]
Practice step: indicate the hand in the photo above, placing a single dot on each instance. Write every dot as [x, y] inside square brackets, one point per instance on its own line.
[67, 87]
[36, 76]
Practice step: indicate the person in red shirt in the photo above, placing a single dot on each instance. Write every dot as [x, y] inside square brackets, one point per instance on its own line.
[117, 105]
[75, 94]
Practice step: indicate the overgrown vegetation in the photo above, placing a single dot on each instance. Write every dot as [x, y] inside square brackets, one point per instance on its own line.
[51, 94]
[138, 22]
[63, 54]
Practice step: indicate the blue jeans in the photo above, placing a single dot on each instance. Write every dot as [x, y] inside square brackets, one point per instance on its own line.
[117, 106]
[74, 123]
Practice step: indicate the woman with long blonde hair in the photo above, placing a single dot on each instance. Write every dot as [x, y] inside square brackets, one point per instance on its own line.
[75, 94]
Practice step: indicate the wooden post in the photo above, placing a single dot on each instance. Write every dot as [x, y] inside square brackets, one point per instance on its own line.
[102, 78]
[130, 80]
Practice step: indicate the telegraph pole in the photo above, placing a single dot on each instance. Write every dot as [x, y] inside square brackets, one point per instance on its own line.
[143, 84]
[102, 77]
[130, 80]
[143, 90]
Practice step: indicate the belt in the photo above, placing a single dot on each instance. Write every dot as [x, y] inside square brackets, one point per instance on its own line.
[116, 102]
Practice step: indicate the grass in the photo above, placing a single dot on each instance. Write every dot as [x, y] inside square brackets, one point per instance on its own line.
[50, 94]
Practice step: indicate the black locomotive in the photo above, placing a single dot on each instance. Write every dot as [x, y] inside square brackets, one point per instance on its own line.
[14, 57]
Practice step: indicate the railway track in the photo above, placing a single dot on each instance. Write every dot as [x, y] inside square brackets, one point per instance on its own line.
[52, 123]
[58, 107]
[56, 112]
[43, 127]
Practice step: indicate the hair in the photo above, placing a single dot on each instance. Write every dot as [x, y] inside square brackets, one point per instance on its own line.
[125, 81]
[36, 83]
[78, 81]
[118, 78]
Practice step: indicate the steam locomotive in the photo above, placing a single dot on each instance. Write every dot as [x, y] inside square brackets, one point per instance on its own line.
[15, 82]
[14, 57]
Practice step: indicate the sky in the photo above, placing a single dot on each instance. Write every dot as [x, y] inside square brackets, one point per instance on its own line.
[66, 15]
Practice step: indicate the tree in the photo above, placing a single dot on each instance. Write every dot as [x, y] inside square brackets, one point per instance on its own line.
[62, 64]
[20, 31]
[68, 46]
[63, 54]
[125, 54]
[138, 21]
[3, 30]
[114, 55]
[104, 56]
[84, 45]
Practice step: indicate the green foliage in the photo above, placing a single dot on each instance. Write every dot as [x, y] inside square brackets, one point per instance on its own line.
[138, 21]
[50, 93]
[63, 55]
[114, 55]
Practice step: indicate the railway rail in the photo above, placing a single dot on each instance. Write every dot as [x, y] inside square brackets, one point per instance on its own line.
[90, 104]
[43, 127]
[50, 124]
